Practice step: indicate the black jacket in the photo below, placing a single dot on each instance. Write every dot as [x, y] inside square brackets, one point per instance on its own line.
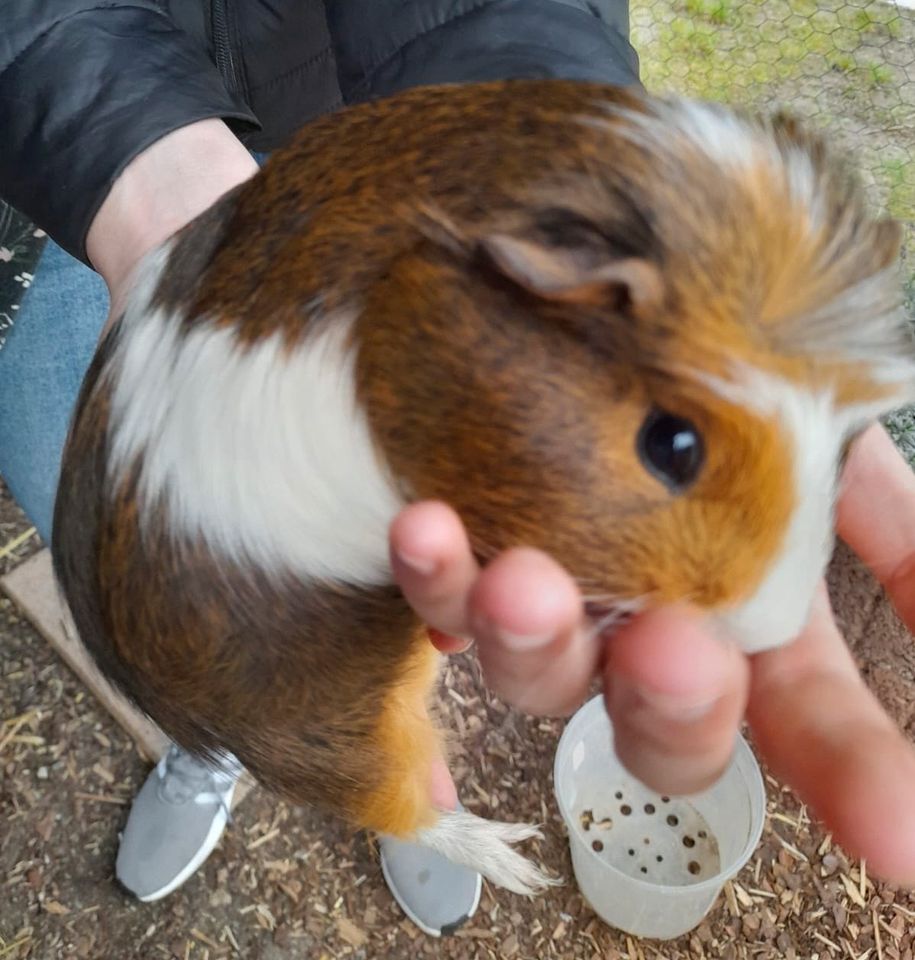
[85, 85]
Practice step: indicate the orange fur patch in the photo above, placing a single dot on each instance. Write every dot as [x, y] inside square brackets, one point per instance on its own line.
[409, 741]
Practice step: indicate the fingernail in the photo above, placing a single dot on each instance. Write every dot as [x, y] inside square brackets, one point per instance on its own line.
[677, 708]
[672, 706]
[425, 566]
[456, 641]
[523, 643]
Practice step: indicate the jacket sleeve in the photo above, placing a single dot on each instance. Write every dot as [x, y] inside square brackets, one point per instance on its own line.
[86, 86]
[387, 45]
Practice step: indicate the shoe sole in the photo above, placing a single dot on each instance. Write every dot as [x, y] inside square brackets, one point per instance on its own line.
[448, 928]
[209, 844]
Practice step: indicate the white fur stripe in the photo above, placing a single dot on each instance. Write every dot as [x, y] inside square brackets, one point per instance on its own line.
[815, 431]
[263, 453]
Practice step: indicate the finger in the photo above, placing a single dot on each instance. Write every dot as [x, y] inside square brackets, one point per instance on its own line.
[876, 515]
[823, 732]
[526, 615]
[675, 694]
[434, 565]
[441, 785]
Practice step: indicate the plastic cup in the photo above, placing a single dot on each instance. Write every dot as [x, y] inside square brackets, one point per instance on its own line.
[651, 865]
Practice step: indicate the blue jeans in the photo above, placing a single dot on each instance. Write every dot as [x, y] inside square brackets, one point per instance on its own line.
[42, 365]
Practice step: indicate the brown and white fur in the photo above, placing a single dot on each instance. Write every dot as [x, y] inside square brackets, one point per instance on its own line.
[475, 294]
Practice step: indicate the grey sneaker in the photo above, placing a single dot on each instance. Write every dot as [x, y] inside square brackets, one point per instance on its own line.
[175, 822]
[436, 894]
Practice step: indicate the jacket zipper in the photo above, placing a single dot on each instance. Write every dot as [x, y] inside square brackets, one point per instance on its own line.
[226, 61]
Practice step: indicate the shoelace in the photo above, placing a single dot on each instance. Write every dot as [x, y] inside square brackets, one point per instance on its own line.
[184, 778]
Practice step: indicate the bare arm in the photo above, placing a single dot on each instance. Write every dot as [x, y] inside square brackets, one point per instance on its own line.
[161, 190]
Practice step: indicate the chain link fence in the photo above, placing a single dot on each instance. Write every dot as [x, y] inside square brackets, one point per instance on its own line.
[847, 67]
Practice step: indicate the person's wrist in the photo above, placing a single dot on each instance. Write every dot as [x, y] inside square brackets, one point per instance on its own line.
[160, 190]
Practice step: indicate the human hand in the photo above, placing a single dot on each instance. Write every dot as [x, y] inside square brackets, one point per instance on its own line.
[160, 190]
[675, 692]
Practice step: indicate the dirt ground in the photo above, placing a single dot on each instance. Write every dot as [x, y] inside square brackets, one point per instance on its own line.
[287, 883]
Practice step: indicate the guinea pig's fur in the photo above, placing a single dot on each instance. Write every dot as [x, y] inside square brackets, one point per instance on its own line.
[489, 295]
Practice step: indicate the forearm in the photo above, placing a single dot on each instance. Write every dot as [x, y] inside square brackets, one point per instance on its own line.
[159, 191]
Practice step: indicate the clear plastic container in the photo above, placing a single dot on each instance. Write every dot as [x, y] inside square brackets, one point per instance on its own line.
[648, 864]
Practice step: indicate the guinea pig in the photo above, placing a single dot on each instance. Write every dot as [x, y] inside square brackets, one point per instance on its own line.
[635, 333]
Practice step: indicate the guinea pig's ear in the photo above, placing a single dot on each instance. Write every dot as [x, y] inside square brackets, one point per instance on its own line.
[575, 274]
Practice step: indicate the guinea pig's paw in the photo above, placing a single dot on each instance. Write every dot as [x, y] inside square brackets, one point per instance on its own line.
[486, 846]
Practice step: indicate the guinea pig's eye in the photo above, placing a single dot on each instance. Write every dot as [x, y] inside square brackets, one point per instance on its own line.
[671, 448]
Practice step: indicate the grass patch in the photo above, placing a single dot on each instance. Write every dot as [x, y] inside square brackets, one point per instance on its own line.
[715, 11]
[843, 61]
[877, 74]
[879, 19]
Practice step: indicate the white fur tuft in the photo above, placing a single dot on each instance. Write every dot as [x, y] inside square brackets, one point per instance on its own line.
[778, 609]
[485, 846]
[733, 143]
[816, 429]
[259, 449]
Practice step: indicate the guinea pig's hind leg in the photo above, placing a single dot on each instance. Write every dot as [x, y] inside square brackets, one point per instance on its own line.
[402, 805]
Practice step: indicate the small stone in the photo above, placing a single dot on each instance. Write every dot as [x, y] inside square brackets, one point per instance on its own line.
[220, 898]
[704, 933]
[509, 946]
[350, 933]
[45, 827]
[84, 948]
[42, 773]
[840, 915]
[751, 924]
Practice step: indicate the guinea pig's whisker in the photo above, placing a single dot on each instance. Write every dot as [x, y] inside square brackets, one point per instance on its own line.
[598, 604]
[608, 612]
[584, 582]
